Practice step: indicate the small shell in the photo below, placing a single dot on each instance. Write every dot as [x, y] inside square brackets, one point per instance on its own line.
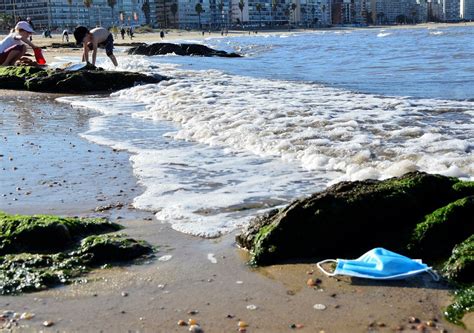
[252, 307]
[319, 307]
[192, 321]
[195, 329]
[182, 323]
[242, 324]
[48, 323]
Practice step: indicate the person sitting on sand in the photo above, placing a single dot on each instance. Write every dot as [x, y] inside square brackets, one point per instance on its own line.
[91, 40]
[13, 47]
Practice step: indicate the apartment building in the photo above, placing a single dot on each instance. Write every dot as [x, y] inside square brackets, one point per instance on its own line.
[60, 14]
[467, 9]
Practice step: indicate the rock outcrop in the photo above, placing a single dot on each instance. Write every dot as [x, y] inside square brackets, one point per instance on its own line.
[409, 215]
[41, 251]
[87, 80]
[180, 49]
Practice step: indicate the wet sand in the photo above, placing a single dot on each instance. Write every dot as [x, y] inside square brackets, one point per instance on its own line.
[42, 155]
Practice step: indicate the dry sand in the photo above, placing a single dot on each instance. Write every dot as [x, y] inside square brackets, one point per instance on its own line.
[47, 168]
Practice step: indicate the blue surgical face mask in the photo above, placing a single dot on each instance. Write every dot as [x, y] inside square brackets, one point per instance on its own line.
[379, 264]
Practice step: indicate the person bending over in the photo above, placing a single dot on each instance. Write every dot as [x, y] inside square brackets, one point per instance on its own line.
[91, 40]
[13, 47]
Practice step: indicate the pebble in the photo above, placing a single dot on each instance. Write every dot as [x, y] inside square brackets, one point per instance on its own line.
[192, 321]
[195, 329]
[124, 294]
[413, 320]
[166, 257]
[252, 307]
[48, 323]
[242, 329]
[27, 315]
[421, 328]
[182, 323]
[193, 312]
[242, 324]
[430, 323]
[319, 307]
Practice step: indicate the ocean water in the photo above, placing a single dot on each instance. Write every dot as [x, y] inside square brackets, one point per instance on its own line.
[226, 139]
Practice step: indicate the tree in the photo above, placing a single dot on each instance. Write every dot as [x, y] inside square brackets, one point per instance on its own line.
[69, 2]
[258, 7]
[241, 7]
[88, 5]
[146, 11]
[274, 8]
[174, 10]
[111, 4]
[199, 10]
[293, 11]
[313, 12]
[220, 6]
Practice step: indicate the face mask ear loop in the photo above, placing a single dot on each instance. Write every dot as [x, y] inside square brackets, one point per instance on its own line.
[433, 274]
[322, 269]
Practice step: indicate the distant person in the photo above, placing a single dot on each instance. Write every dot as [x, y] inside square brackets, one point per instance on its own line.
[131, 32]
[13, 47]
[122, 32]
[162, 34]
[91, 40]
[65, 35]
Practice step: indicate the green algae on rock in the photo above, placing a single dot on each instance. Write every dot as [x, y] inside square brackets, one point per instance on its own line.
[441, 230]
[87, 80]
[460, 266]
[112, 248]
[463, 303]
[46, 233]
[349, 218]
[56, 250]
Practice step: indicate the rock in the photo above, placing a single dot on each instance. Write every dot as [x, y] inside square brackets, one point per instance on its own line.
[112, 248]
[430, 239]
[87, 80]
[24, 272]
[46, 233]
[179, 49]
[349, 218]
[460, 266]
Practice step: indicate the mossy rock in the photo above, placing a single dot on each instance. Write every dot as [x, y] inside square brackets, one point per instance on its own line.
[90, 79]
[349, 218]
[441, 230]
[28, 272]
[463, 303]
[46, 233]
[460, 266]
[112, 248]
[180, 49]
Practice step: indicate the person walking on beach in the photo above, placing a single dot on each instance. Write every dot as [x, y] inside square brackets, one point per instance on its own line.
[122, 32]
[91, 40]
[65, 36]
[13, 47]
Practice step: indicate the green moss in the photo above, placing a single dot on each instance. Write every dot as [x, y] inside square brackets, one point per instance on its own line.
[460, 266]
[464, 187]
[463, 303]
[62, 256]
[260, 249]
[45, 232]
[21, 71]
[30, 272]
[110, 248]
[443, 229]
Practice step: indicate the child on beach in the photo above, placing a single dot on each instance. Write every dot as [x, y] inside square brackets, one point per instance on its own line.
[13, 47]
[91, 40]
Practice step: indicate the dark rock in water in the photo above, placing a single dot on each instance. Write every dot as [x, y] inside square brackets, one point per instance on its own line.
[460, 266]
[180, 49]
[350, 218]
[88, 80]
[43, 236]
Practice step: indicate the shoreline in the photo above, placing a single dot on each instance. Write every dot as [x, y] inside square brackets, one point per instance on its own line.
[158, 293]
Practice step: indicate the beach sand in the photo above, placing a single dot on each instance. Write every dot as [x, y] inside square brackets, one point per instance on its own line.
[47, 168]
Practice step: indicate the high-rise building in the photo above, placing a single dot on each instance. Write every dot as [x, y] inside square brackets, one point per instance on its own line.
[467, 9]
[60, 14]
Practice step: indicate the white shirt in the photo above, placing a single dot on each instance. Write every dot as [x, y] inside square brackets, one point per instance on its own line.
[9, 41]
